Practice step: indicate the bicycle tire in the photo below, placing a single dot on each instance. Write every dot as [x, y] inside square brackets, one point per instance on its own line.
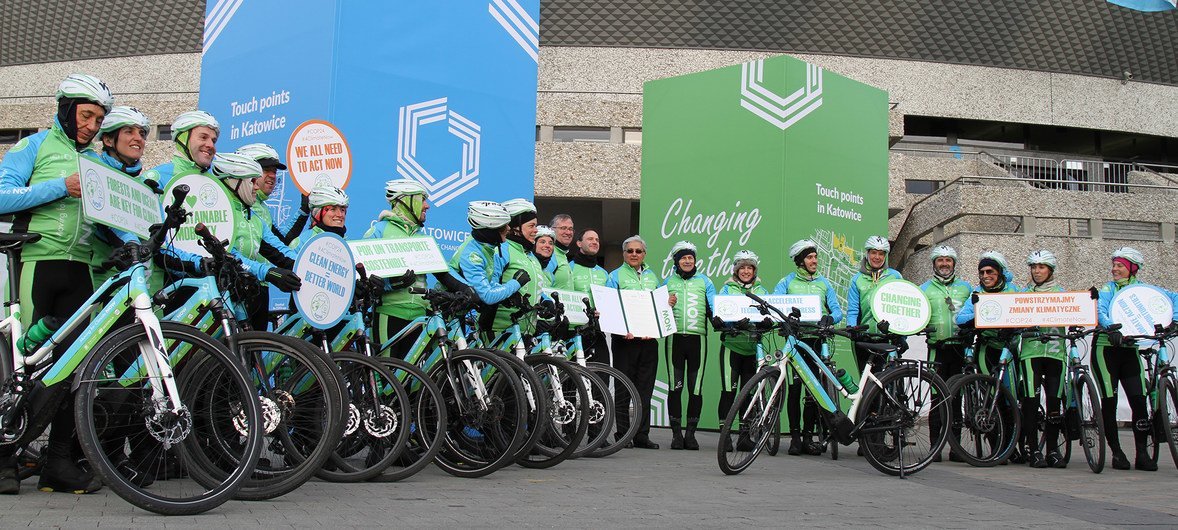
[377, 424]
[537, 408]
[754, 407]
[986, 431]
[827, 429]
[906, 393]
[1092, 436]
[774, 443]
[1062, 445]
[428, 421]
[105, 405]
[624, 388]
[1167, 416]
[601, 413]
[308, 403]
[481, 436]
[568, 419]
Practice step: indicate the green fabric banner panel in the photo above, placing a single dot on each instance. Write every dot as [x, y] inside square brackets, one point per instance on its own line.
[756, 156]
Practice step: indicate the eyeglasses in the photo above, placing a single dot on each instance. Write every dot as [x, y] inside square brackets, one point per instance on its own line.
[563, 229]
[987, 272]
[635, 251]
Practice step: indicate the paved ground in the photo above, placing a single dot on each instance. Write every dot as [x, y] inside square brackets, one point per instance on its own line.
[674, 488]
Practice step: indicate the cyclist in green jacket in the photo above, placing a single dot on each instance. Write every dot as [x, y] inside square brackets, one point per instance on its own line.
[692, 298]
[1042, 365]
[517, 255]
[585, 272]
[637, 357]
[39, 182]
[873, 271]
[946, 294]
[556, 270]
[1112, 364]
[123, 135]
[806, 280]
[738, 361]
[267, 157]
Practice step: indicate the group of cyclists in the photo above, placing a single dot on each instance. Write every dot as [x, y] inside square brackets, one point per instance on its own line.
[508, 259]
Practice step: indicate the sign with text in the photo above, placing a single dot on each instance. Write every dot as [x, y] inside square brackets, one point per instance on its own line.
[1024, 310]
[644, 314]
[1138, 308]
[903, 305]
[386, 258]
[733, 307]
[317, 154]
[207, 202]
[328, 271]
[574, 305]
[113, 199]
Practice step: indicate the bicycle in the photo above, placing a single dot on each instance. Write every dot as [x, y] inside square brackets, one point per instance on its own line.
[985, 411]
[178, 419]
[1082, 417]
[887, 412]
[1162, 389]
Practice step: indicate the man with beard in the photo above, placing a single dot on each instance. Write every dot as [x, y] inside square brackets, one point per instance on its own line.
[946, 295]
[873, 271]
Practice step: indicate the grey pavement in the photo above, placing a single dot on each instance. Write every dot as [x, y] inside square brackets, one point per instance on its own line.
[674, 488]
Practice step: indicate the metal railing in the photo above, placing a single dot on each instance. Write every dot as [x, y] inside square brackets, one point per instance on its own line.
[1051, 173]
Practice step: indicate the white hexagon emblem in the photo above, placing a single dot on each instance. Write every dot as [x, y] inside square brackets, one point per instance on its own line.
[780, 111]
[411, 119]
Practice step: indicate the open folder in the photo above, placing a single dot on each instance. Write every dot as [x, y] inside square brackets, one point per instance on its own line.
[637, 312]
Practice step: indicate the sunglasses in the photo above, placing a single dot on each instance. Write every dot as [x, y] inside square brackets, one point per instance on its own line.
[635, 251]
[987, 272]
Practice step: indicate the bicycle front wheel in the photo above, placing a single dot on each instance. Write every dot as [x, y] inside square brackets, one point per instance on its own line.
[986, 420]
[754, 412]
[1166, 418]
[376, 425]
[427, 420]
[626, 408]
[600, 412]
[1092, 438]
[568, 412]
[898, 417]
[486, 409]
[199, 454]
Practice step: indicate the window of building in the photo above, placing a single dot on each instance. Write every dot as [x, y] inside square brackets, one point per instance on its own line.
[921, 187]
[599, 135]
[11, 136]
[632, 136]
[163, 132]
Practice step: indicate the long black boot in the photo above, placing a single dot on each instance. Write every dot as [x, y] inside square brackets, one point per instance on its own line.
[689, 441]
[61, 473]
[676, 434]
[1141, 429]
[1108, 410]
[9, 478]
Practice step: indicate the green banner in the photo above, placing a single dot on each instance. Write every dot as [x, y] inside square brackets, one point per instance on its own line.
[756, 156]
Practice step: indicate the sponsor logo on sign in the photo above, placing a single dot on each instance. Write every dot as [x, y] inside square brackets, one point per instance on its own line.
[780, 111]
[412, 119]
[94, 190]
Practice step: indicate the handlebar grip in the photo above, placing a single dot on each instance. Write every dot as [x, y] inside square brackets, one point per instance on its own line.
[418, 290]
[361, 272]
[202, 231]
[178, 195]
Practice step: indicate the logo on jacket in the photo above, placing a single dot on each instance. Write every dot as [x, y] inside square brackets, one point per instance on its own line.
[416, 144]
[780, 111]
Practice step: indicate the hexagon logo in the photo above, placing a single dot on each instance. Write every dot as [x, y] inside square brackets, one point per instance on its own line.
[780, 111]
[411, 119]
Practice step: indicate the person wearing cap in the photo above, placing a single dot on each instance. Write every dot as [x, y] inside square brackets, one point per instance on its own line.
[123, 135]
[475, 261]
[738, 360]
[267, 157]
[1114, 362]
[194, 143]
[584, 273]
[692, 299]
[408, 203]
[1042, 366]
[556, 271]
[805, 279]
[637, 357]
[516, 259]
[946, 294]
[39, 182]
[873, 271]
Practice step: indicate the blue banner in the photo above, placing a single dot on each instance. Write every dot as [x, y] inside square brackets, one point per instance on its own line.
[1147, 5]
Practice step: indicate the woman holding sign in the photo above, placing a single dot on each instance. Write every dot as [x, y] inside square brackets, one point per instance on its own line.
[637, 357]
[806, 280]
[1042, 365]
[693, 297]
[516, 258]
[123, 134]
[556, 270]
[738, 361]
[1112, 364]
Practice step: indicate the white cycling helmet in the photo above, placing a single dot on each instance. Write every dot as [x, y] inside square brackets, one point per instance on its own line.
[682, 245]
[943, 251]
[88, 87]
[745, 257]
[877, 243]
[486, 214]
[194, 118]
[327, 195]
[515, 207]
[1133, 255]
[1042, 257]
[123, 116]
[996, 256]
[545, 231]
[233, 165]
[800, 246]
[263, 154]
[395, 189]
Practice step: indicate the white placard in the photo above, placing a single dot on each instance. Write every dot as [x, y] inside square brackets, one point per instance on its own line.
[328, 271]
[733, 307]
[113, 199]
[574, 305]
[207, 202]
[903, 305]
[386, 258]
[1025, 310]
[637, 312]
[1138, 308]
